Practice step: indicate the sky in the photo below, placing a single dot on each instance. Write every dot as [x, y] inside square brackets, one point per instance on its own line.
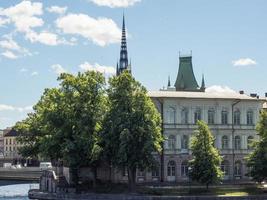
[41, 39]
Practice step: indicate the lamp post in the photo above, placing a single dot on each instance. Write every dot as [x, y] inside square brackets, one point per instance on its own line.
[233, 134]
[189, 178]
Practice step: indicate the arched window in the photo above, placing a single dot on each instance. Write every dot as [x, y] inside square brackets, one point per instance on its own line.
[237, 142]
[211, 116]
[171, 168]
[184, 142]
[171, 115]
[171, 142]
[225, 142]
[237, 117]
[224, 117]
[225, 167]
[249, 117]
[184, 116]
[184, 168]
[238, 168]
[250, 142]
[197, 115]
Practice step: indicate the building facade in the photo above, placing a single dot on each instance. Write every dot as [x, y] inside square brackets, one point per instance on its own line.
[231, 117]
[11, 145]
[1, 143]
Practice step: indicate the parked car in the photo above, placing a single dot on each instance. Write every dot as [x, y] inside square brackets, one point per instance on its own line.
[7, 165]
[45, 165]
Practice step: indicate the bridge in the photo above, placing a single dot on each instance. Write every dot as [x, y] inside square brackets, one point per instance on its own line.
[25, 174]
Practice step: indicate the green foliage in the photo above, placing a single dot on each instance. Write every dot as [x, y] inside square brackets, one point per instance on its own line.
[67, 120]
[205, 165]
[132, 130]
[257, 160]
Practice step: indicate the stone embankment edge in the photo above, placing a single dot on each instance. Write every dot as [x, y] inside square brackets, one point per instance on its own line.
[36, 194]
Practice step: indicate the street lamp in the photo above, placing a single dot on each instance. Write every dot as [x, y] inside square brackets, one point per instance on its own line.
[189, 178]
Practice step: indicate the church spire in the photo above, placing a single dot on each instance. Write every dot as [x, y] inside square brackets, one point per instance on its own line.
[123, 62]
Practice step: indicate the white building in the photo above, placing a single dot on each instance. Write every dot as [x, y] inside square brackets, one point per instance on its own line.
[231, 117]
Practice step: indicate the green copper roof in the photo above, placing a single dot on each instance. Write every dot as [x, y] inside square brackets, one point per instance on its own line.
[186, 80]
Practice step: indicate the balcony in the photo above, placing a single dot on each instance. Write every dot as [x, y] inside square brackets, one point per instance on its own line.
[236, 151]
[177, 151]
[211, 126]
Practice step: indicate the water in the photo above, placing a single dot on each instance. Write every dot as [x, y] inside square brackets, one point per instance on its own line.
[16, 191]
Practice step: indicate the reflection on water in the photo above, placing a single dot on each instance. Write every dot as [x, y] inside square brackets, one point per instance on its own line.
[17, 191]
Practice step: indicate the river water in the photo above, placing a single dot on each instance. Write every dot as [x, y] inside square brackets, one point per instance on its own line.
[16, 191]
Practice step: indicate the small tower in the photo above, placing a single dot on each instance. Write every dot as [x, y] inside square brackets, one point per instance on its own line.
[123, 62]
[169, 82]
[186, 80]
[203, 87]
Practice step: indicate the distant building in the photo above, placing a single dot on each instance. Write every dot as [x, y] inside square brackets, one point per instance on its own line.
[11, 145]
[1, 143]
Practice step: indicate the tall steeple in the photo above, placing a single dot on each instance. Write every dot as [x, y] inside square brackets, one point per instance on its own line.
[123, 62]
[186, 80]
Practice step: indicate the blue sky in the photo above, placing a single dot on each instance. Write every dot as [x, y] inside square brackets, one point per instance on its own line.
[40, 39]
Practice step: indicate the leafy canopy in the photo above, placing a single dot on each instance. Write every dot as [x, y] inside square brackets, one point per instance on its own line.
[257, 160]
[66, 121]
[205, 165]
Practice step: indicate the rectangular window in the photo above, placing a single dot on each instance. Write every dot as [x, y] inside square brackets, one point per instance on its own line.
[237, 118]
[249, 118]
[197, 115]
[184, 116]
[211, 116]
[224, 117]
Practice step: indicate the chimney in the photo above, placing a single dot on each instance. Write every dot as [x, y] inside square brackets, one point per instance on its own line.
[241, 92]
[253, 94]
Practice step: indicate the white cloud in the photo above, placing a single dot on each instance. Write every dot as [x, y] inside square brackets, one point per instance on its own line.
[24, 15]
[101, 31]
[4, 21]
[244, 62]
[34, 73]
[23, 70]
[9, 54]
[115, 3]
[43, 37]
[8, 44]
[96, 67]
[58, 69]
[4, 107]
[57, 9]
[220, 89]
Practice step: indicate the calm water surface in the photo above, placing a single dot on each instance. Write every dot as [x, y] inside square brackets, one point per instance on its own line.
[16, 191]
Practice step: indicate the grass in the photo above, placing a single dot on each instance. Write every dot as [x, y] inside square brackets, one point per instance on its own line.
[238, 190]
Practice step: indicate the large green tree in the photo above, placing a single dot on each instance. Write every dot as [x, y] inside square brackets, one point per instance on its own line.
[205, 165]
[257, 160]
[132, 131]
[66, 122]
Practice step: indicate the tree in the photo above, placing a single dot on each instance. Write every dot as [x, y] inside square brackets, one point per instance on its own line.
[205, 165]
[132, 127]
[257, 160]
[66, 122]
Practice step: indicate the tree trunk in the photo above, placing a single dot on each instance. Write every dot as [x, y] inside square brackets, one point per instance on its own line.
[207, 186]
[132, 179]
